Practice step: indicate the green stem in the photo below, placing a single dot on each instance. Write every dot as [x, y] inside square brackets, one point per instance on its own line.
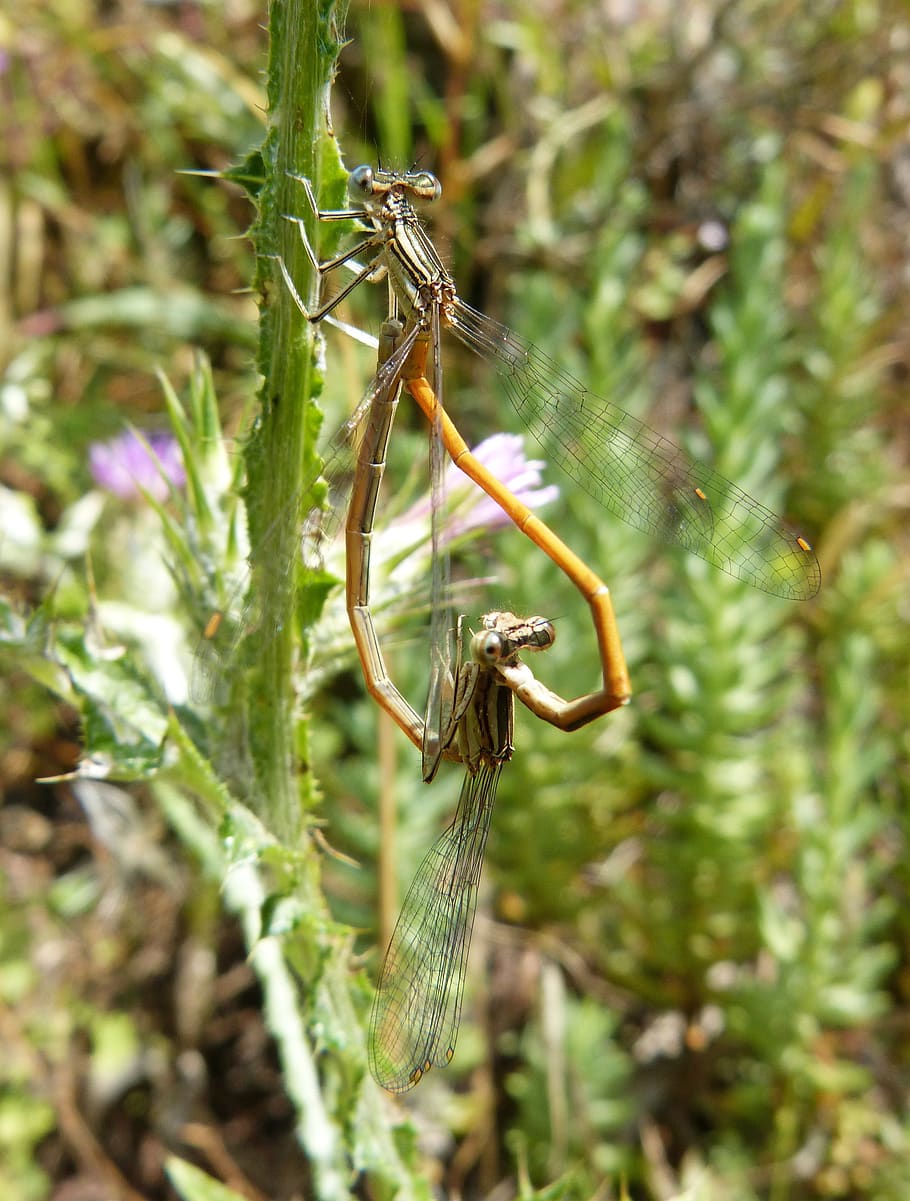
[307, 984]
[305, 41]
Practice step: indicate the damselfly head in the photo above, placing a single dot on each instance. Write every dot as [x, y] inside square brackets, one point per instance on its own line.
[504, 635]
[366, 182]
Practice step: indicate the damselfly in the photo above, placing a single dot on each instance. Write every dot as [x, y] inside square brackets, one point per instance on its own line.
[417, 1008]
[636, 473]
[418, 1002]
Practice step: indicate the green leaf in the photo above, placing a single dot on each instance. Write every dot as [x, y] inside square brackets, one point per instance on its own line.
[123, 713]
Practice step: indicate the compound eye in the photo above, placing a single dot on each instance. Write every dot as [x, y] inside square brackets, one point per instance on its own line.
[490, 647]
[544, 632]
[427, 186]
[361, 180]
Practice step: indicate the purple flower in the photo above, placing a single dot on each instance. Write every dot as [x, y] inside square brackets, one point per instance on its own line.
[129, 463]
[468, 506]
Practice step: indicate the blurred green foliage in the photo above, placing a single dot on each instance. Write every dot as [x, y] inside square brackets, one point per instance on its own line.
[691, 961]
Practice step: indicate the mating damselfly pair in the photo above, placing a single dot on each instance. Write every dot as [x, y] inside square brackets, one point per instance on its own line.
[634, 472]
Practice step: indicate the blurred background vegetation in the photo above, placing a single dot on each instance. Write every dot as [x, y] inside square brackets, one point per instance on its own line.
[692, 958]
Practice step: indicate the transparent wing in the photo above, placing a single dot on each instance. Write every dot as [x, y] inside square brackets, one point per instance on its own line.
[636, 473]
[417, 1009]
